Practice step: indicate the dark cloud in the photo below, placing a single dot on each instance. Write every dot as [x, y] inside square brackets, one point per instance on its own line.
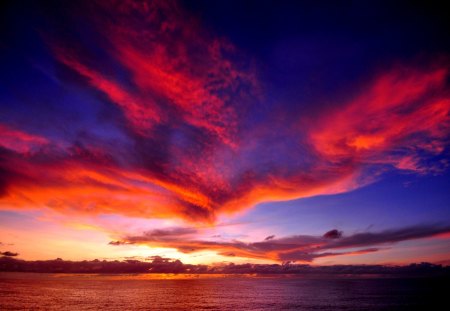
[9, 254]
[116, 243]
[390, 236]
[169, 234]
[305, 256]
[333, 234]
[291, 248]
[270, 237]
[158, 264]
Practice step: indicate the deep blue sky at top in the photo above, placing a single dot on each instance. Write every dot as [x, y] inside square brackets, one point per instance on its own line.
[318, 46]
[306, 49]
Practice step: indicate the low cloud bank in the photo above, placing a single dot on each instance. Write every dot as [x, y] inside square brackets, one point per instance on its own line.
[166, 265]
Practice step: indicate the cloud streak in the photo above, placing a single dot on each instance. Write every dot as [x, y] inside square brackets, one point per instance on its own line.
[9, 254]
[387, 122]
[303, 248]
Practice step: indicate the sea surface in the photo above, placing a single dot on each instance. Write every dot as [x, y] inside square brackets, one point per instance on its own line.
[32, 291]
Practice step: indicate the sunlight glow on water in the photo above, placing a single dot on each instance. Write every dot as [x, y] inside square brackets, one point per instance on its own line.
[29, 291]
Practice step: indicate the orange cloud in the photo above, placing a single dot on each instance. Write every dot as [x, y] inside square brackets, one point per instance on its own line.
[192, 149]
[304, 248]
[397, 120]
[402, 113]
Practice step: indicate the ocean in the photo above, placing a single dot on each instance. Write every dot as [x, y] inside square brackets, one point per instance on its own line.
[33, 291]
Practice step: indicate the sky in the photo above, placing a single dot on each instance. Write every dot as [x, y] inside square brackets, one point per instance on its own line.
[225, 131]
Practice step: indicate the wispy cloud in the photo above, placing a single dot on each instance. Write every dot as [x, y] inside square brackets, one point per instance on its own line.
[292, 248]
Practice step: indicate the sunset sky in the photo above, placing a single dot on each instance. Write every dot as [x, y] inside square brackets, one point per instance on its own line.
[225, 131]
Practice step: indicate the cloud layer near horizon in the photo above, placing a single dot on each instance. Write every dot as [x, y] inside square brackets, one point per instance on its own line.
[301, 248]
[184, 130]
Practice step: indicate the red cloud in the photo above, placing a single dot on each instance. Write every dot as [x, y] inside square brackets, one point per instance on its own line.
[175, 66]
[403, 112]
[186, 96]
[19, 141]
[141, 112]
